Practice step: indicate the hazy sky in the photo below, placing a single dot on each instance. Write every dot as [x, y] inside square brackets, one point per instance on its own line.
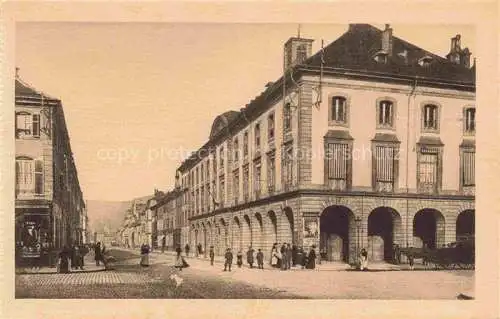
[136, 95]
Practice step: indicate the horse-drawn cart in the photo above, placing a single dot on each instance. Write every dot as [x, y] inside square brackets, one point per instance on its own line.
[458, 255]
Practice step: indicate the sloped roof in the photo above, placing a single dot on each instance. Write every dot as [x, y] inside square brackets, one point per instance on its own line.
[26, 90]
[356, 48]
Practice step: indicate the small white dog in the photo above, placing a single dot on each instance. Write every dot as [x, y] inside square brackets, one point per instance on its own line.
[178, 280]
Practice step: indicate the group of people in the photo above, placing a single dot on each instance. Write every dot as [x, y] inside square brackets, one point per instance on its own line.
[228, 258]
[286, 256]
[73, 257]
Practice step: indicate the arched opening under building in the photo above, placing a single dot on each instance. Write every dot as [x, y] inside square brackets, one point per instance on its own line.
[384, 230]
[273, 227]
[337, 234]
[223, 236]
[258, 231]
[428, 229]
[465, 225]
[236, 245]
[247, 232]
[288, 226]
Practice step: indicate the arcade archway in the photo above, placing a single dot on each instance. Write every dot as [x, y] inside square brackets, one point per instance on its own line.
[384, 230]
[428, 228]
[337, 234]
[465, 225]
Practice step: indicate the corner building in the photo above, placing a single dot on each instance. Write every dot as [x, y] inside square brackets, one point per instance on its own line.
[368, 142]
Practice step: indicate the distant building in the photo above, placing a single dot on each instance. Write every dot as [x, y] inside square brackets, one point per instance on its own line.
[369, 142]
[50, 208]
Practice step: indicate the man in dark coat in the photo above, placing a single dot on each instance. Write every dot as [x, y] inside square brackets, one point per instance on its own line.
[260, 259]
[289, 254]
[163, 244]
[187, 250]
[250, 256]
[284, 255]
[311, 259]
[98, 254]
[212, 255]
[228, 259]
[64, 255]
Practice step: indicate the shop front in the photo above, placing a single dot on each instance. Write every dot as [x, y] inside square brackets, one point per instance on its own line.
[34, 237]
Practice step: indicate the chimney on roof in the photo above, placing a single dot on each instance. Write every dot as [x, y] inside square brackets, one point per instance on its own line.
[296, 51]
[387, 40]
[457, 55]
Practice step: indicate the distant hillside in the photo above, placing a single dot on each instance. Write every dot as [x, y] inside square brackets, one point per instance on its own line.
[106, 213]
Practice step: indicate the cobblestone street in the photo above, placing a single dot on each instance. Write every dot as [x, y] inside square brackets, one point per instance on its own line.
[201, 280]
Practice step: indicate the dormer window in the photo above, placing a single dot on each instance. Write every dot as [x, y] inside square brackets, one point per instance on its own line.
[301, 54]
[27, 124]
[425, 61]
[338, 111]
[380, 57]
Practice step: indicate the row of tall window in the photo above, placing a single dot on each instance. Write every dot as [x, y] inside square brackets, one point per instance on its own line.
[386, 115]
[338, 167]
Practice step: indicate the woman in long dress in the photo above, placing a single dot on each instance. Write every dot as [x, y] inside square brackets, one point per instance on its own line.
[180, 262]
[144, 255]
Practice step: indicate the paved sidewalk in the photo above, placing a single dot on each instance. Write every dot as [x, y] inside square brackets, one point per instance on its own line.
[89, 266]
[324, 266]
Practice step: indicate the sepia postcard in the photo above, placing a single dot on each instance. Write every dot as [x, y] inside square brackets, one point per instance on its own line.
[271, 158]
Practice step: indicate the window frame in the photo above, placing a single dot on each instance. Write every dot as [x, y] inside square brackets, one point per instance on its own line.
[287, 118]
[257, 139]
[392, 125]
[333, 122]
[395, 174]
[437, 127]
[465, 122]
[34, 126]
[271, 127]
[463, 150]
[423, 149]
[335, 140]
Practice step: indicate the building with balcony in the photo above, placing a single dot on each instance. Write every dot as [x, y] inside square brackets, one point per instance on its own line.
[49, 203]
[367, 143]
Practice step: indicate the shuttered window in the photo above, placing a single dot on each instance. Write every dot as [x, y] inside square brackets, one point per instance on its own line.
[271, 173]
[428, 171]
[384, 157]
[257, 179]
[468, 168]
[337, 157]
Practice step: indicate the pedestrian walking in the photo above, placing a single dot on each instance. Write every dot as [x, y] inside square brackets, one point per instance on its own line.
[163, 244]
[212, 255]
[260, 259]
[186, 248]
[250, 256]
[363, 259]
[180, 262]
[98, 254]
[63, 260]
[76, 257]
[311, 258]
[200, 249]
[284, 261]
[275, 258]
[411, 260]
[228, 259]
[289, 256]
[239, 259]
[295, 252]
[398, 254]
[145, 249]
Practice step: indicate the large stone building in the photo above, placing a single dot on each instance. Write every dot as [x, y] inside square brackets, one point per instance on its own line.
[50, 209]
[369, 142]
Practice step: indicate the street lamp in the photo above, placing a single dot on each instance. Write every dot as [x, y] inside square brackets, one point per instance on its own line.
[358, 227]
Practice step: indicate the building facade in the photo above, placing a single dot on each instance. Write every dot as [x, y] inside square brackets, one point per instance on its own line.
[166, 210]
[50, 209]
[368, 143]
